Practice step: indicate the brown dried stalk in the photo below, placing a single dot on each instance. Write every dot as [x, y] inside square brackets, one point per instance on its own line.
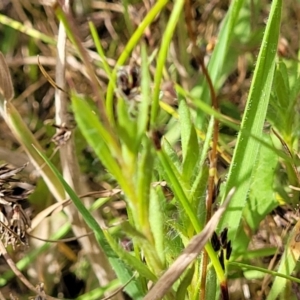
[70, 168]
[17, 272]
[213, 156]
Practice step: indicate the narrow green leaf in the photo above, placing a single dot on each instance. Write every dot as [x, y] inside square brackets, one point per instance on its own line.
[178, 189]
[27, 30]
[287, 265]
[219, 56]
[81, 208]
[247, 149]
[130, 260]
[100, 292]
[281, 84]
[127, 126]
[211, 284]
[98, 138]
[184, 284]
[175, 165]
[144, 178]
[162, 56]
[261, 200]
[157, 221]
[123, 273]
[266, 271]
[189, 142]
[144, 106]
[99, 48]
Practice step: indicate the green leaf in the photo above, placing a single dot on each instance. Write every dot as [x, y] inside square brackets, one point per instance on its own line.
[287, 265]
[27, 30]
[144, 178]
[127, 126]
[175, 181]
[31, 256]
[219, 56]
[189, 142]
[281, 84]
[144, 106]
[247, 148]
[262, 195]
[157, 221]
[211, 284]
[162, 57]
[100, 292]
[184, 284]
[173, 156]
[104, 145]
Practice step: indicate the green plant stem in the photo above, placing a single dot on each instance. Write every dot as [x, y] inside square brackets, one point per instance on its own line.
[27, 30]
[266, 271]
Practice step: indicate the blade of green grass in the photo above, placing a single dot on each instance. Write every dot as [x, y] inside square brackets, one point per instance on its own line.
[157, 219]
[190, 212]
[219, 55]
[144, 106]
[262, 195]
[99, 48]
[27, 30]
[98, 139]
[180, 194]
[162, 56]
[80, 206]
[144, 178]
[247, 149]
[100, 292]
[130, 260]
[288, 263]
[206, 108]
[266, 271]
[189, 142]
[123, 273]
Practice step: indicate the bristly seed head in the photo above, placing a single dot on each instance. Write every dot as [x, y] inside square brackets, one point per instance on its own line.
[13, 219]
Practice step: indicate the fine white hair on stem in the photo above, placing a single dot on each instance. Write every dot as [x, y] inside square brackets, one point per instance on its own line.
[189, 254]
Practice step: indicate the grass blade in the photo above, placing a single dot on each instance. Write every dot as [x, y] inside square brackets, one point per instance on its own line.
[123, 273]
[247, 149]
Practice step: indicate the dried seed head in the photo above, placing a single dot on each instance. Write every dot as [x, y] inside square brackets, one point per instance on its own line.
[228, 250]
[215, 242]
[221, 259]
[62, 135]
[13, 219]
[40, 289]
[128, 81]
[223, 237]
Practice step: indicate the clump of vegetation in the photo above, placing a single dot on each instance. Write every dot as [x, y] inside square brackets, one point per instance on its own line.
[162, 142]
